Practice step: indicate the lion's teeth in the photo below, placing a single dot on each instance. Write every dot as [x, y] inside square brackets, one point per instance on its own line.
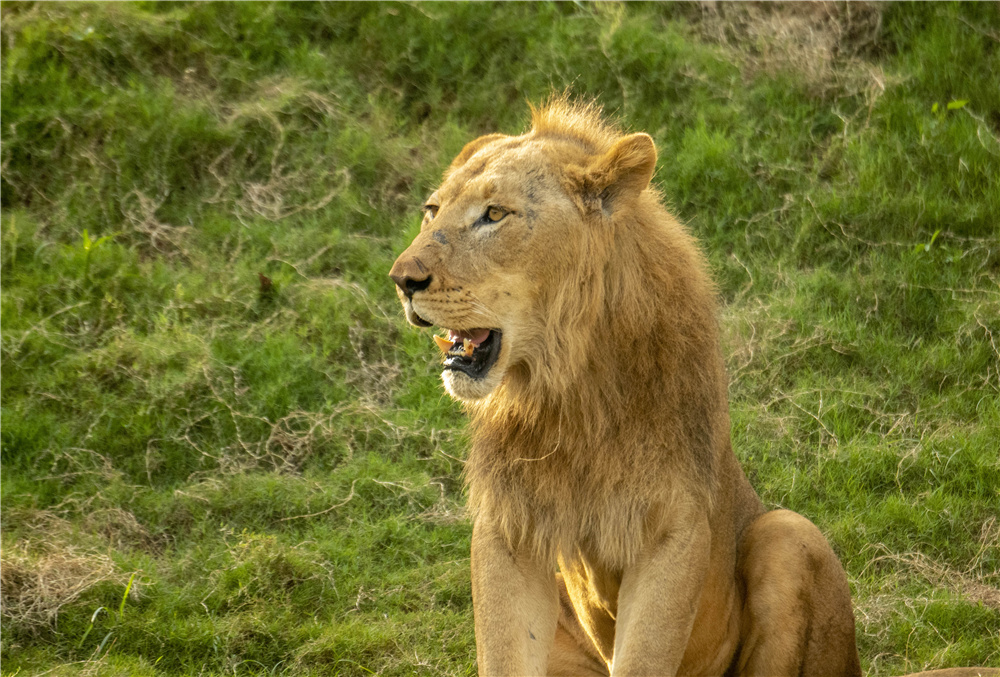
[467, 347]
[444, 344]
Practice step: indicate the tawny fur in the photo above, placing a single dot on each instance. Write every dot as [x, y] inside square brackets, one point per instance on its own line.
[626, 369]
[600, 437]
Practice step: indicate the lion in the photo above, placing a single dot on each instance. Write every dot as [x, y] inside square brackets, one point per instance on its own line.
[614, 531]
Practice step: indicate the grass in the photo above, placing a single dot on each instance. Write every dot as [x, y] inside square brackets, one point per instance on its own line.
[207, 382]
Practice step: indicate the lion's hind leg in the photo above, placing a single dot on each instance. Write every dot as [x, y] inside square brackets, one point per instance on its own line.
[797, 616]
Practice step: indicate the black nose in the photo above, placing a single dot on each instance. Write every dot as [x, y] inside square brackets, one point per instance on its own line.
[410, 285]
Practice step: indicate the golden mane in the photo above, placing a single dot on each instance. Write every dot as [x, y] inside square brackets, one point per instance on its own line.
[625, 374]
[584, 122]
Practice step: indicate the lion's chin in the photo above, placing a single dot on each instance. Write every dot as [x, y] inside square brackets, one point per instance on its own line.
[464, 388]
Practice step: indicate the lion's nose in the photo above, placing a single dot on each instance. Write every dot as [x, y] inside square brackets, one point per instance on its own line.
[410, 275]
[410, 285]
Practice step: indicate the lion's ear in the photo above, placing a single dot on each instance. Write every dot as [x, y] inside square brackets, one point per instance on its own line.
[625, 170]
[470, 149]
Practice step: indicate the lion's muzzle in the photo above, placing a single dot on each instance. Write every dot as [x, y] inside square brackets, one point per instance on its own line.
[410, 275]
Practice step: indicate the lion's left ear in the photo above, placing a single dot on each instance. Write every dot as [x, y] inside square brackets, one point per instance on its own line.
[624, 171]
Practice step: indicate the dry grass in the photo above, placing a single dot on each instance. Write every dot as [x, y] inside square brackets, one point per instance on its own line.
[376, 379]
[820, 41]
[976, 583]
[60, 561]
[37, 585]
[875, 613]
[140, 216]
[287, 190]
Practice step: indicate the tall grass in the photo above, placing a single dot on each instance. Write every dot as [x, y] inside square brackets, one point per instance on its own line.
[207, 382]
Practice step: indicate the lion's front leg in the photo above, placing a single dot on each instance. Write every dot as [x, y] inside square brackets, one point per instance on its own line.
[659, 596]
[515, 600]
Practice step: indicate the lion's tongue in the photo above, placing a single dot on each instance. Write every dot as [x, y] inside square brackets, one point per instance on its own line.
[477, 336]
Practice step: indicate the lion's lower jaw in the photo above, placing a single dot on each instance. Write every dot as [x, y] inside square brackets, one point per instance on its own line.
[464, 388]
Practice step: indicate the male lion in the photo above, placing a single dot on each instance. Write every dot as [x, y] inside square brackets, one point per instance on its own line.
[582, 338]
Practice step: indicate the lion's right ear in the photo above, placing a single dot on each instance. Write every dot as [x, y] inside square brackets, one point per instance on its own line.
[471, 148]
[624, 171]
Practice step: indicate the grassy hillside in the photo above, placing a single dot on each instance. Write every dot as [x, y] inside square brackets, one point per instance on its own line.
[224, 451]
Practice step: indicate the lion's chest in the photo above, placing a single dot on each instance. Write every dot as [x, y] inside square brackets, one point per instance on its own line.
[563, 511]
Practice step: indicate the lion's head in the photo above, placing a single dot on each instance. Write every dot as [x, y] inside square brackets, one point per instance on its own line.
[511, 256]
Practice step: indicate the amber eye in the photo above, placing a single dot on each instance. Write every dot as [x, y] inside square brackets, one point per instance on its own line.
[431, 210]
[494, 214]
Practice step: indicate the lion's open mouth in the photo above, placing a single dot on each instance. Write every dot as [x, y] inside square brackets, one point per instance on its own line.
[472, 352]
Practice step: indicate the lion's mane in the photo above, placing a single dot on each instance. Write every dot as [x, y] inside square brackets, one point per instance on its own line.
[624, 397]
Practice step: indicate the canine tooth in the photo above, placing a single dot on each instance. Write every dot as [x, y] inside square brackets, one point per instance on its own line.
[467, 347]
[444, 344]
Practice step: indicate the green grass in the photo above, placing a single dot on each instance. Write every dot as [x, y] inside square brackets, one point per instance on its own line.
[276, 462]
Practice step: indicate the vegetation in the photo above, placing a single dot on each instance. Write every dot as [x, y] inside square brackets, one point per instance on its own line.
[223, 450]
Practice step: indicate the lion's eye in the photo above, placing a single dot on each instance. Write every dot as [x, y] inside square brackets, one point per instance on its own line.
[431, 210]
[494, 214]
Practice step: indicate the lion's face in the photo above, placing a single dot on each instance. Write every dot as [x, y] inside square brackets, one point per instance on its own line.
[499, 253]
[492, 234]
